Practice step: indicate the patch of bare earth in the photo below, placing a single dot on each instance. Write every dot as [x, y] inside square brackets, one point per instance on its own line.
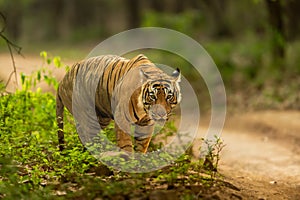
[261, 156]
[26, 64]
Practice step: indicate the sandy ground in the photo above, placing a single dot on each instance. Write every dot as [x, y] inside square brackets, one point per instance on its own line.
[26, 65]
[262, 154]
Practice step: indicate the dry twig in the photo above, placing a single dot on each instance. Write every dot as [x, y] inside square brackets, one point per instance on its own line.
[10, 46]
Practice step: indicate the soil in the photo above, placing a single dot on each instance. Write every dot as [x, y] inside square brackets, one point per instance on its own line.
[262, 154]
[26, 64]
[261, 159]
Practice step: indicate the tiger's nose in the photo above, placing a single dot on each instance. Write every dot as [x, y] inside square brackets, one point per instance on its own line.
[158, 112]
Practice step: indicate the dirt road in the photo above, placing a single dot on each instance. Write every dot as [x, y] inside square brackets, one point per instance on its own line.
[262, 153]
[26, 65]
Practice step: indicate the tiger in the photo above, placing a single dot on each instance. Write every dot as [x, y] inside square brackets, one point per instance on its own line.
[132, 92]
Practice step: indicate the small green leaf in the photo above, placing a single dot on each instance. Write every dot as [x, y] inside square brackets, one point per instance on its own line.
[43, 54]
[39, 75]
[23, 78]
[45, 160]
[67, 68]
[57, 61]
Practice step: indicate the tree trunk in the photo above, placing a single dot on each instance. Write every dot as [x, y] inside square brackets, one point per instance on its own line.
[293, 15]
[217, 11]
[157, 5]
[13, 21]
[275, 11]
[134, 18]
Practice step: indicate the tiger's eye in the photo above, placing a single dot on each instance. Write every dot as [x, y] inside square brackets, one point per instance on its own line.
[152, 95]
[169, 96]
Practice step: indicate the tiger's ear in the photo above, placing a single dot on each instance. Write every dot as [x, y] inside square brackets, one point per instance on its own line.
[176, 75]
[144, 76]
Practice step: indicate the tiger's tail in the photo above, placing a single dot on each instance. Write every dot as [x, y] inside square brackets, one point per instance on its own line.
[60, 121]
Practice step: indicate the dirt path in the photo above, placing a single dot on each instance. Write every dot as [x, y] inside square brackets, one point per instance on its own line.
[26, 65]
[262, 153]
[261, 156]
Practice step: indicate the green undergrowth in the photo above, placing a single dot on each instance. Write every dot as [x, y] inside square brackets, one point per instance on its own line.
[32, 167]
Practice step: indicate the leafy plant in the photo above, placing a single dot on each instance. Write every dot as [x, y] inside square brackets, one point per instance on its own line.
[212, 158]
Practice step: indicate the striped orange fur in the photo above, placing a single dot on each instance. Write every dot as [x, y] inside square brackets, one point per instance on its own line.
[132, 92]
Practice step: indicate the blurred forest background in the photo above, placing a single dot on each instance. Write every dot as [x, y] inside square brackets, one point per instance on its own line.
[256, 47]
[255, 43]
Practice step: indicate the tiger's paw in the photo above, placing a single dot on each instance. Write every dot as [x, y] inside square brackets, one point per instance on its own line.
[119, 155]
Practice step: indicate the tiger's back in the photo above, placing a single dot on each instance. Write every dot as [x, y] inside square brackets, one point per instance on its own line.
[110, 70]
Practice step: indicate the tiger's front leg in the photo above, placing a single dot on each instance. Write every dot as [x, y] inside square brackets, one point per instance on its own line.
[142, 137]
[124, 140]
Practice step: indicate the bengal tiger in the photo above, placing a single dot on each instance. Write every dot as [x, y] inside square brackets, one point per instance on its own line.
[153, 95]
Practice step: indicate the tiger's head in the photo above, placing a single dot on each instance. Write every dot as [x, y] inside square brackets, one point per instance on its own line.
[160, 93]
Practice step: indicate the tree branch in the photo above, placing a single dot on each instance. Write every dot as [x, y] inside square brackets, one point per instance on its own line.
[10, 46]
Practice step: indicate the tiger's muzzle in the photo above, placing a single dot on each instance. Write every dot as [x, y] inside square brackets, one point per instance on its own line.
[157, 112]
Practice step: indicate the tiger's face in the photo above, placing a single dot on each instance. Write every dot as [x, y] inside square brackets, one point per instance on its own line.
[160, 94]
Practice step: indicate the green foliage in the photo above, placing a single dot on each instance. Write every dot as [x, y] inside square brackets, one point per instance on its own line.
[43, 74]
[184, 22]
[28, 138]
[221, 53]
[211, 160]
